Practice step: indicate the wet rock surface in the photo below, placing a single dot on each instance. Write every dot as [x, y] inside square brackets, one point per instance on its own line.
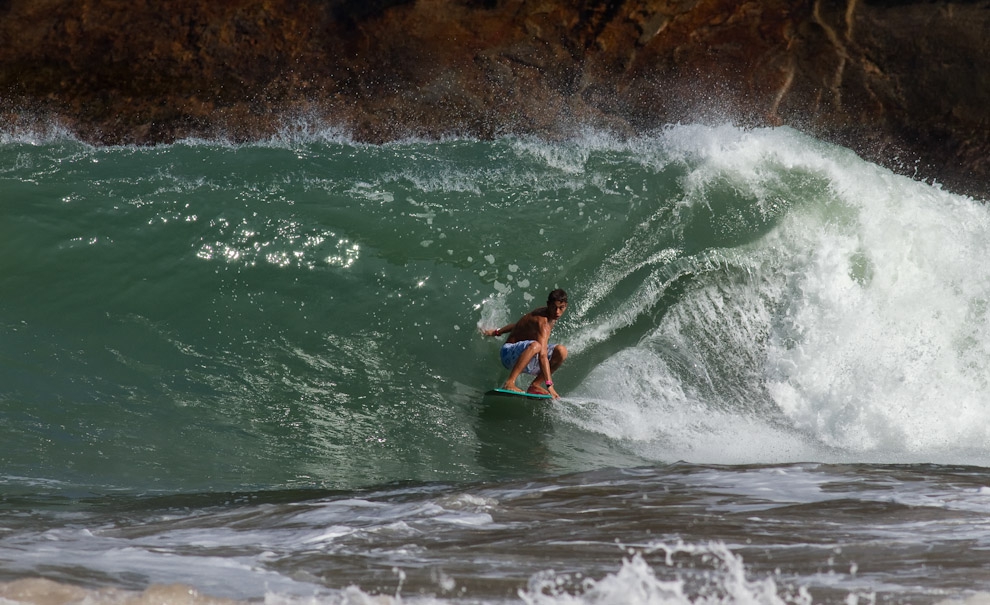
[905, 83]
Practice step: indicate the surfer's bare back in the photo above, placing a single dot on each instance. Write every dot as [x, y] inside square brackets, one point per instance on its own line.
[528, 347]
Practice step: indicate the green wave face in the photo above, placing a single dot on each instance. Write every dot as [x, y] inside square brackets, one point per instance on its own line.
[305, 311]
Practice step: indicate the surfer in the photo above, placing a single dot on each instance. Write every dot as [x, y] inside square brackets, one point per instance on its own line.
[528, 347]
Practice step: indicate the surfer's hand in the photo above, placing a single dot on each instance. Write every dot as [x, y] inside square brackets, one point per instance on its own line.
[553, 392]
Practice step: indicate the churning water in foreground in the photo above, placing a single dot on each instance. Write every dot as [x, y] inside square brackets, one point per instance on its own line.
[254, 372]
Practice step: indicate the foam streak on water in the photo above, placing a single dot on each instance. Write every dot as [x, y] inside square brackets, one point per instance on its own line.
[678, 534]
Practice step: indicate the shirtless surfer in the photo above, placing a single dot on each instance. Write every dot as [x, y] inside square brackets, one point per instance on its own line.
[528, 347]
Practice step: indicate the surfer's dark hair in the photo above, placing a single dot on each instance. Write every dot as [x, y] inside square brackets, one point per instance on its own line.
[557, 295]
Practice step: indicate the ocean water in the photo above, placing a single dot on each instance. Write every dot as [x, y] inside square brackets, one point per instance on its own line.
[254, 373]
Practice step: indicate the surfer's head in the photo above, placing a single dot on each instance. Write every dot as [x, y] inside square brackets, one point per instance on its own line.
[556, 303]
[557, 295]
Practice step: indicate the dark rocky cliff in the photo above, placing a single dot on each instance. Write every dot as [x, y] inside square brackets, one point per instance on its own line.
[904, 82]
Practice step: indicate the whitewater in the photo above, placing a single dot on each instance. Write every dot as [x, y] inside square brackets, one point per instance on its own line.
[254, 372]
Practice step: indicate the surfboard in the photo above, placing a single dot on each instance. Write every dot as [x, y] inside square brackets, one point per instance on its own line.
[501, 405]
[515, 394]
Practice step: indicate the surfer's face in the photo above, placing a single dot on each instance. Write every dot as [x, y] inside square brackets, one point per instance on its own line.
[556, 309]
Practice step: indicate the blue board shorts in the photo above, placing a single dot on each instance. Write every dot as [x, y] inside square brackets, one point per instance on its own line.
[511, 351]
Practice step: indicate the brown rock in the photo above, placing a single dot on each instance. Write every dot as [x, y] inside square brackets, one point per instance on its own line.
[903, 82]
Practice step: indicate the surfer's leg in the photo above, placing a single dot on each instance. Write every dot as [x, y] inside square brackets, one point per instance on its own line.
[533, 348]
[557, 356]
[558, 353]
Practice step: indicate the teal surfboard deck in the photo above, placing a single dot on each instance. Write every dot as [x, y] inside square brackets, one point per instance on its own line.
[515, 394]
[499, 405]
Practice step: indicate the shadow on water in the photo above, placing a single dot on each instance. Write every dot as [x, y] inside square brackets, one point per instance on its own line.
[512, 436]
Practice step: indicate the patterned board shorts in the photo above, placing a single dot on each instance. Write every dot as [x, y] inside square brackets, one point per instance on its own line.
[512, 350]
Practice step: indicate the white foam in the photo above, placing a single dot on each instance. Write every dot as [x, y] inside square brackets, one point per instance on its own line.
[722, 573]
[856, 327]
[882, 345]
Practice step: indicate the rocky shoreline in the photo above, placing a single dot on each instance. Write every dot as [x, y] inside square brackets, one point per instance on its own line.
[904, 83]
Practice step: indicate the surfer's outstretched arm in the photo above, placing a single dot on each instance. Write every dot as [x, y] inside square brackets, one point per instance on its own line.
[499, 331]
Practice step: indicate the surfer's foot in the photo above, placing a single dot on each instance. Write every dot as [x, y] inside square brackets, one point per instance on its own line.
[511, 387]
[536, 389]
